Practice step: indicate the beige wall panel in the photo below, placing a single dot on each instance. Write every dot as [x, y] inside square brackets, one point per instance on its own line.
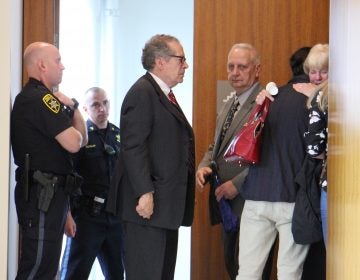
[343, 252]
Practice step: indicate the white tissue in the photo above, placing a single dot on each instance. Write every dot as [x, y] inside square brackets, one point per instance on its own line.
[272, 88]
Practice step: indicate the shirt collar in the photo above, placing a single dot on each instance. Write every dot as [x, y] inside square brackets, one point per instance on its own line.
[92, 127]
[164, 87]
[244, 96]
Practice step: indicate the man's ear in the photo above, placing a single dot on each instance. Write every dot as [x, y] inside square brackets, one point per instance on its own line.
[41, 64]
[160, 62]
[258, 70]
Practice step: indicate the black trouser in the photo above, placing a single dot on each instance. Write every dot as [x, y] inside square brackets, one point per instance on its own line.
[150, 252]
[315, 262]
[41, 233]
[100, 237]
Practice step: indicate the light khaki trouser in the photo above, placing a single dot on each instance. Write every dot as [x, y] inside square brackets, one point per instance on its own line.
[261, 221]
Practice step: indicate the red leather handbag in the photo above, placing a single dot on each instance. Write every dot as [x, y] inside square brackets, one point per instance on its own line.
[245, 146]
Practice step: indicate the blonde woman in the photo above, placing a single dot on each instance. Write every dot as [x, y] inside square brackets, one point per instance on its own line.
[316, 64]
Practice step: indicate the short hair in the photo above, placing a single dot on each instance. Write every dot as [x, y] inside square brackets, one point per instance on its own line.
[255, 57]
[156, 47]
[94, 89]
[297, 59]
[318, 58]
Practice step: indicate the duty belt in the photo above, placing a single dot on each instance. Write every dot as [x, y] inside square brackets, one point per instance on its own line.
[61, 179]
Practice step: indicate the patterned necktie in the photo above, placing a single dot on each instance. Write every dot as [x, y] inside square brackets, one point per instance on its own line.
[229, 119]
[172, 98]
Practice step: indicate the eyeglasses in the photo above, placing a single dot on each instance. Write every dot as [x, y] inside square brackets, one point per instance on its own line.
[181, 58]
[109, 149]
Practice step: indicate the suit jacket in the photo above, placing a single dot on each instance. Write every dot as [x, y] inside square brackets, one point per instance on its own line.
[228, 171]
[156, 155]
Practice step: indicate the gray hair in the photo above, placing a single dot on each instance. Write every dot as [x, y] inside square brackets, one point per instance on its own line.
[255, 57]
[156, 47]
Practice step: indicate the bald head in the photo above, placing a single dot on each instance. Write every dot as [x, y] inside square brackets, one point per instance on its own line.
[34, 52]
[42, 61]
[97, 106]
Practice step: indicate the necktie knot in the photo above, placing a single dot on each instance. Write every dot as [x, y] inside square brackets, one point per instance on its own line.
[172, 98]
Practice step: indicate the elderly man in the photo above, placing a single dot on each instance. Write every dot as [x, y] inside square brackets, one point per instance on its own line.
[156, 164]
[243, 69]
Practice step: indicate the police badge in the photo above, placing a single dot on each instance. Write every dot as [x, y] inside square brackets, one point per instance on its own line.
[52, 103]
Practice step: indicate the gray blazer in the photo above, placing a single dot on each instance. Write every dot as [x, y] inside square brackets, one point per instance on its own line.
[229, 171]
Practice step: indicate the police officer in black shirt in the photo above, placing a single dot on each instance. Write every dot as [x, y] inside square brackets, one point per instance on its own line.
[96, 232]
[46, 128]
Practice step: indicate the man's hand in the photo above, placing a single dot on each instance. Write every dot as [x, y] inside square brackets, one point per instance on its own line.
[145, 207]
[70, 226]
[226, 190]
[201, 175]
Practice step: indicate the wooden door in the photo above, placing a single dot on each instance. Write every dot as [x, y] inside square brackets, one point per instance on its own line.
[41, 23]
[276, 28]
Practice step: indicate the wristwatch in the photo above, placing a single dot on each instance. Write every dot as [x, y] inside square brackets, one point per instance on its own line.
[76, 103]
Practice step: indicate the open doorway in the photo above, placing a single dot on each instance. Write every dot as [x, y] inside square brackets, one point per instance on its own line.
[101, 42]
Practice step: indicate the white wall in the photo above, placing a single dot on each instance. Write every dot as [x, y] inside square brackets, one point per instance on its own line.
[143, 19]
[10, 76]
[131, 24]
[15, 86]
[5, 44]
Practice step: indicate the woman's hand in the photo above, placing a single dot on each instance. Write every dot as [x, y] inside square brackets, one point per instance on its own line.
[260, 98]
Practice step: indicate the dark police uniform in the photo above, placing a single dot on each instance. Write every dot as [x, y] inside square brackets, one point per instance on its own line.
[37, 117]
[98, 233]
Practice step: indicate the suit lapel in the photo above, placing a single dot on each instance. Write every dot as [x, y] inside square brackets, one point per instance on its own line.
[174, 110]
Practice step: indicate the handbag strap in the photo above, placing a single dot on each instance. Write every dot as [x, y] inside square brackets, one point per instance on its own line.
[265, 109]
[260, 111]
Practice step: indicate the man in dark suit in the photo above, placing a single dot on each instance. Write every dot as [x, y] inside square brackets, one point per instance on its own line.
[243, 69]
[156, 164]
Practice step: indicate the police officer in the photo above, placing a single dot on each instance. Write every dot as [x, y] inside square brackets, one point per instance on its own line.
[46, 128]
[96, 233]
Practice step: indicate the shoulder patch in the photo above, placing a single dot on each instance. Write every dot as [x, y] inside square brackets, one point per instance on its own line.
[52, 103]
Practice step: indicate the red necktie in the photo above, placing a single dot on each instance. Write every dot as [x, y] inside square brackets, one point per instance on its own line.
[172, 98]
